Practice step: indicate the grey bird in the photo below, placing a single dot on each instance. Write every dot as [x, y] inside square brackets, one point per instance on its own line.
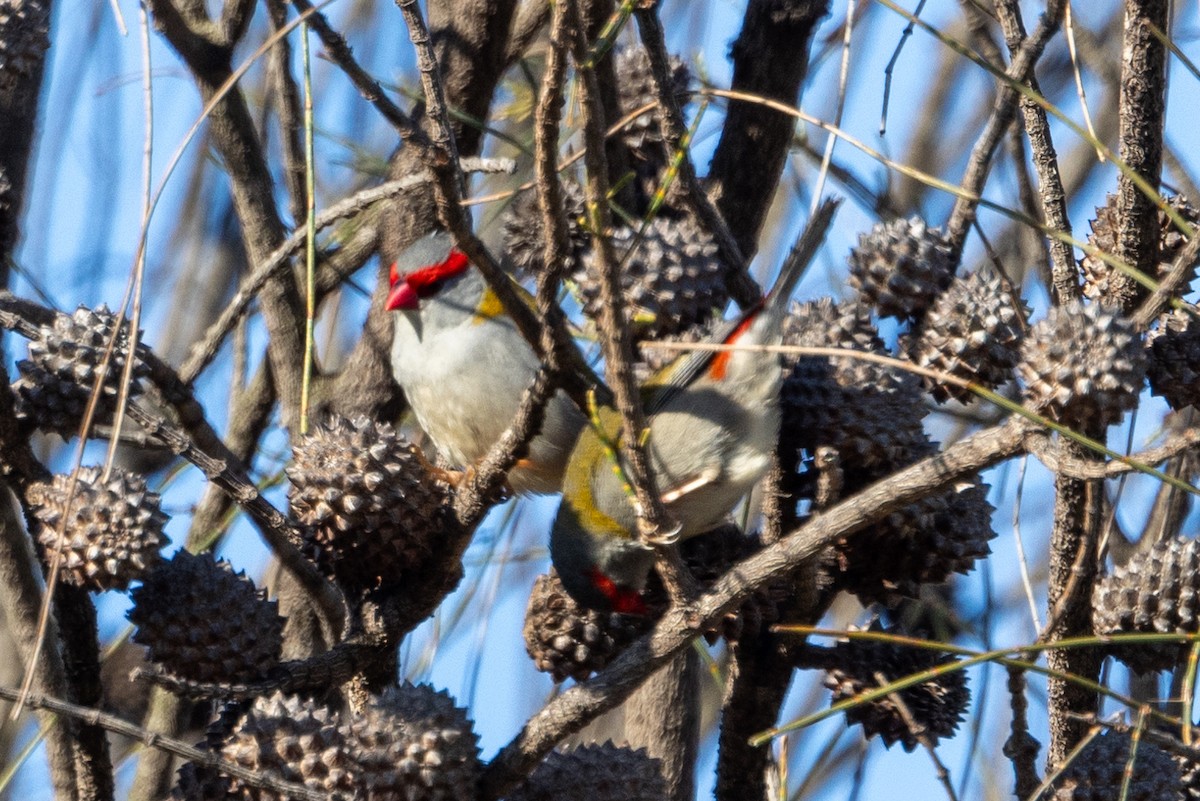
[464, 366]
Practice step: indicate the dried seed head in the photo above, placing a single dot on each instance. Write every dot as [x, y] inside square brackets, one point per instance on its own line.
[1082, 365]
[1174, 350]
[413, 743]
[565, 639]
[58, 378]
[294, 740]
[673, 280]
[1100, 280]
[112, 530]
[868, 413]
[1156, 592]
[973, 332]
[1099, 772]
[204, 622]
[937, 706]
[900, 267]
[595, 773]
[524, 242]
[368, 503]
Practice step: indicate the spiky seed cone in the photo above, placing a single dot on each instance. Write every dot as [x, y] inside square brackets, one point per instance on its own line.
[1155, 592]
[413, 744]
[204, 622]
[524, 242]
[1098, 276]
[595, 773]
[1098, 773]
[1174, 370]
[112, 533]
[1082, 365]
[973, 332]
[295, 740]
[369, 504]
[870, 414]
[643, 136]
[900, 267]
[24, 39]
[565, 639]
[937, 706]
[1189, 777]
[635, 89]
[58, 377]
[200, 783]
[924, 543]
[673, 280]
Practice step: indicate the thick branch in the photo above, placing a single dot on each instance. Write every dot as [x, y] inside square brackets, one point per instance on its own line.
[573, 709]
[770, 58]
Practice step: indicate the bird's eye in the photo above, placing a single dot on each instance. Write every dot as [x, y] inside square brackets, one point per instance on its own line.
[432, 288]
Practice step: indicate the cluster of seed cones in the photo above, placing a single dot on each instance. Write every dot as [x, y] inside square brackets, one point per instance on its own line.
[409, 742]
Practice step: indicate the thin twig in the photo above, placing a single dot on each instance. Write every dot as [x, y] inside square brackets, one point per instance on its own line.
[654, 522]
[979, 164]
[741, 285]
[94, 717]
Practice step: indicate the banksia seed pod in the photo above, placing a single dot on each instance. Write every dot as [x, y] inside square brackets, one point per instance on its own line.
[924, 543]
[524, 241]
[1098, 276]
[112, 533]
[24, 39]
[413, 743]
[1174, 349]
[673, 280]
[295, 740]
[366, 499]
[1189, 777]
[870, 414]
[1098, 772]
[1082, 365]
[565, 639]
[1155, 592]
[201, 783]
[900, 267]
[635, 89]
[973, 332]
[58, 377]
[204, 622]
[937, 706]
[595, 773]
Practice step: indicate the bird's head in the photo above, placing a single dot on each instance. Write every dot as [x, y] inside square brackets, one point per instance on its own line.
[423, 271]
[601, 569]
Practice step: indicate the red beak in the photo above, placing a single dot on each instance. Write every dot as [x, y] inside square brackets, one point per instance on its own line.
[402, 296]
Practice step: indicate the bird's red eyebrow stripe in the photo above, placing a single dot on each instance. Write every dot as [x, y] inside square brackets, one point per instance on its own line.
[454, 264]
[720, 364]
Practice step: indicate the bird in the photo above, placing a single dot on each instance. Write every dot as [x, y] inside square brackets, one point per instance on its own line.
[713, 420]
[464, 366]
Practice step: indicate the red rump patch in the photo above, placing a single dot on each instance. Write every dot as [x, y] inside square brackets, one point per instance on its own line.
[623, 601]
[456, 262]
[720, 364]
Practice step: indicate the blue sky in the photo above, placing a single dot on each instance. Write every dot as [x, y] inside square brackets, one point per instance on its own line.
[81, 229]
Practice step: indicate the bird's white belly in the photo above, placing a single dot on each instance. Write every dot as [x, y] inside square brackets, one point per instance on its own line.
[465, 385]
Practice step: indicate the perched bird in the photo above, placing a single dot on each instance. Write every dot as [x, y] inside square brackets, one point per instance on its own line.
[464, 366]
[714, 423]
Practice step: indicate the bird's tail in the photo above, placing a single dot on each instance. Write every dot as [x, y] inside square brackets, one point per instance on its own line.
[775, 304]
